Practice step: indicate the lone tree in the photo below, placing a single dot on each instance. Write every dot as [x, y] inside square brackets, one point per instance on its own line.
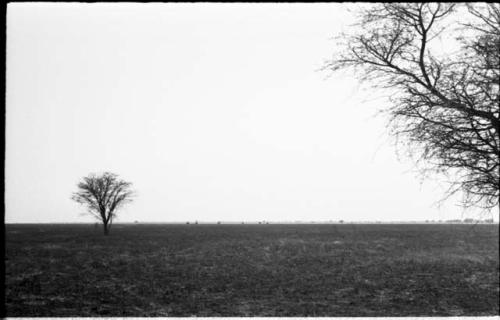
[103, 195]
[443, 96]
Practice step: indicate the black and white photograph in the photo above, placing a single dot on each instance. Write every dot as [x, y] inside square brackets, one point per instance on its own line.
[197, 159]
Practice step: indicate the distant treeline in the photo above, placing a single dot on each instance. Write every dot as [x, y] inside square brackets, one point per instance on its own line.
[468, 220]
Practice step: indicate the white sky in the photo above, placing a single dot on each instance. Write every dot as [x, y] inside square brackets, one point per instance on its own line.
[213, 111]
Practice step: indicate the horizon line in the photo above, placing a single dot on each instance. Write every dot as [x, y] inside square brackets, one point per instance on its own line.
[449, 221]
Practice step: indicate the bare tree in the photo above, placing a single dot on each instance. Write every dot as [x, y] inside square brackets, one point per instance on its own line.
[444, 103]
[103, 195]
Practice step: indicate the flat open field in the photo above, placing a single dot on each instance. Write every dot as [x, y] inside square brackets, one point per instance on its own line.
[252, 270]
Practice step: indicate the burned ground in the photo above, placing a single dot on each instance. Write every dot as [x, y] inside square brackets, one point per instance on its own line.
[252, 270]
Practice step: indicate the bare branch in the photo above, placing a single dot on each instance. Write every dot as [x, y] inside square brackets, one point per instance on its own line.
[445, 110]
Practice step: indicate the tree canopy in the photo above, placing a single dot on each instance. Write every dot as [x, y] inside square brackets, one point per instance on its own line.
[444, 95]
[103, 195]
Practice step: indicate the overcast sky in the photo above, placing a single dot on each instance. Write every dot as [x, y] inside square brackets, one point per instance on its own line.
[213, 112]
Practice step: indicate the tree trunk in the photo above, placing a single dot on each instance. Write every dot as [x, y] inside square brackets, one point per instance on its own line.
[106, 229]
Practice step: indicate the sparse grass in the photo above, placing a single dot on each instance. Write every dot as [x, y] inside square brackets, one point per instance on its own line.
[252, 270]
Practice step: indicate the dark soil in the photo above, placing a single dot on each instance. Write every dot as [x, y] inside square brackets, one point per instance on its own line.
[252, 270]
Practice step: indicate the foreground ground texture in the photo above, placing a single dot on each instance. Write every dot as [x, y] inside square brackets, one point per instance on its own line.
[252, 270]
